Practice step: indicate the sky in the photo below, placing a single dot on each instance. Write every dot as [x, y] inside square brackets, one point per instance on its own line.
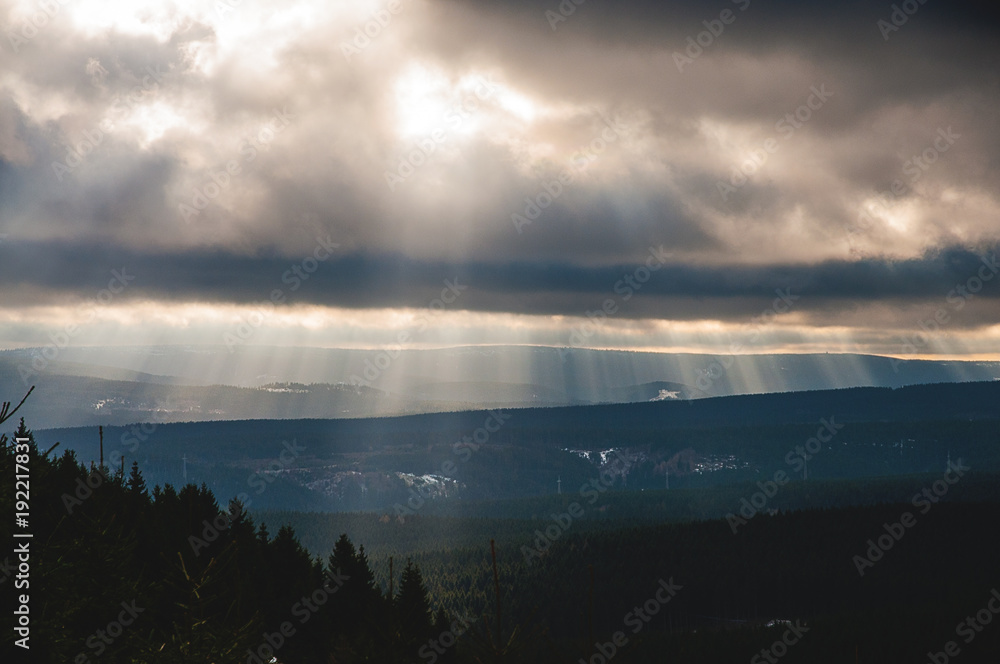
[743, 176]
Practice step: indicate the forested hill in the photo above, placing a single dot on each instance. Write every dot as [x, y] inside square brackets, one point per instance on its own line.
[376, 463]
[199, 584]
[916, 403]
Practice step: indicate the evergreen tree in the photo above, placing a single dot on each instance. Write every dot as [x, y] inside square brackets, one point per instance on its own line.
[359, 592]
[413, 608]
[136, 483]
[355, 612]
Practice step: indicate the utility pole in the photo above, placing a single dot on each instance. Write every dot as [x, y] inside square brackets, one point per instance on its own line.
[590, 605]
[496, 584]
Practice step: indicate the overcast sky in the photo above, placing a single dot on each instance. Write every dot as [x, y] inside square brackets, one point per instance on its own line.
[490, 172]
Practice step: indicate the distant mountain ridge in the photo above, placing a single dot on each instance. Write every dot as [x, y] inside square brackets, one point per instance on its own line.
[182, 383]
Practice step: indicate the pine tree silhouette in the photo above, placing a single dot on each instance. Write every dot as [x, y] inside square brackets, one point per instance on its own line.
[136, 483]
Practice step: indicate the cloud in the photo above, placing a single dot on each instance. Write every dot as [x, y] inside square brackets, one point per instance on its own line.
[673, 291]
[209, 149]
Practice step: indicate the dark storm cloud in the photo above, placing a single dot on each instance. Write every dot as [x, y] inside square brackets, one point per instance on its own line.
[814, 24]
[675, 291]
